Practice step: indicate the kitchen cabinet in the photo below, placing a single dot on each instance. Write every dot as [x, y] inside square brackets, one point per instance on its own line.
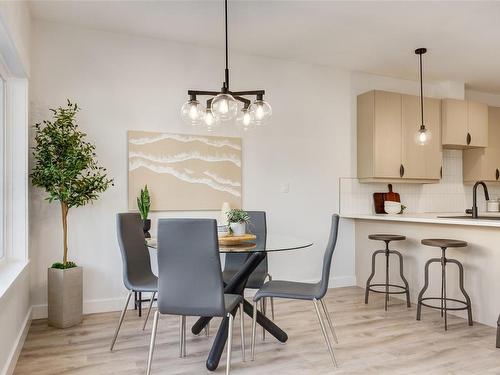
[484, 163]
[464, 124]
[387, 123]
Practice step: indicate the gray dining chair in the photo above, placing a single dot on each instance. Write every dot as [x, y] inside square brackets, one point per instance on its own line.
[234, 262]
[304, 291]
[137, 273]
[190, 279]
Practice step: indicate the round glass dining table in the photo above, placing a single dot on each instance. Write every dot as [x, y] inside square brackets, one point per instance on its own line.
[256, 251]
[272, 243]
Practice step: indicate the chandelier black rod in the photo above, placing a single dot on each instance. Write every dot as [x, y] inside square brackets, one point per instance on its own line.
[225, 85]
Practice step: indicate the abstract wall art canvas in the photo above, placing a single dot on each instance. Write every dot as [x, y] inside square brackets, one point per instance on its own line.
[184, 172]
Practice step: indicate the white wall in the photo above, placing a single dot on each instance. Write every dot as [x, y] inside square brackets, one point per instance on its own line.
[16, 18]
[124, 82]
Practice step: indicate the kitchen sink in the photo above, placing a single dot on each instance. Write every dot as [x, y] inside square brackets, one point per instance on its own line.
[470, 217]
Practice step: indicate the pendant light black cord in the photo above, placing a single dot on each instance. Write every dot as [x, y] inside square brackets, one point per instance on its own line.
[422, 126]
[226, 83]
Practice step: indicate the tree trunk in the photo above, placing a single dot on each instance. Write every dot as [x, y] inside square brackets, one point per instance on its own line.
[64, 213]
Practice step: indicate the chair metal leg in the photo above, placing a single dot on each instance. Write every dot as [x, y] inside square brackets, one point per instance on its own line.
[272, 298]
[328, 319]
[121, 320]
[242, 331]
[229, 343]
[325, 334]
[254, 328]
[182, 334]
[149, 310]
[152, 343]
[263, 311]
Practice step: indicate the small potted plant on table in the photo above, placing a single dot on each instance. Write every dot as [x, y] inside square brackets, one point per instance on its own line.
[65, 166]
[237, 219]
[144, 205]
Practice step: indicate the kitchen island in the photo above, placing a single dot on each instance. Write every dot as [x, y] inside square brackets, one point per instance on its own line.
[481, 259]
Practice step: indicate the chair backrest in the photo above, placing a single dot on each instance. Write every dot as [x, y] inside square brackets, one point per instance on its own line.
[327, 259]
[189, 270]
[257, 226]
[135, 254]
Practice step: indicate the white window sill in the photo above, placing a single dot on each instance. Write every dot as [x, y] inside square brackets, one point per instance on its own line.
[9, 272]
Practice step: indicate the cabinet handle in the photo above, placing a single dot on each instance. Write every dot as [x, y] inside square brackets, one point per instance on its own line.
[498, 174]
[469, 139]
[441, 172]
[401, 171]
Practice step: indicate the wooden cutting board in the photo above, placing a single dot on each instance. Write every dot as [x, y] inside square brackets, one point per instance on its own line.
[391, 196]
[380, 198]
[233, 240]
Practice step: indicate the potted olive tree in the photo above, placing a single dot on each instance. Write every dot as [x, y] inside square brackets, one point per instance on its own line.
[144, 205]
[237, 219]
[65, 166]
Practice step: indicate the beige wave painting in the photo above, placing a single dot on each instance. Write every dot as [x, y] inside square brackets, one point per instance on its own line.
[184, 172]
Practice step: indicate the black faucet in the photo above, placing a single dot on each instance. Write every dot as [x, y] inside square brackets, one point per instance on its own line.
[473, 211]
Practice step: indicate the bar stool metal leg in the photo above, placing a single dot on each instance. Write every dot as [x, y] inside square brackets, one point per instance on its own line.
[443, 283]
[426, 285]
[386, 274]
[367, 290]
[407, 286]
[462, 289]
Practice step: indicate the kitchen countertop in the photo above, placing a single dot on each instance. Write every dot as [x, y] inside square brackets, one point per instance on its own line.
[431, 218]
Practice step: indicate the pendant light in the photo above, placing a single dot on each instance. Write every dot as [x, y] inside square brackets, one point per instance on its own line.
[224, 105]
[423, 135]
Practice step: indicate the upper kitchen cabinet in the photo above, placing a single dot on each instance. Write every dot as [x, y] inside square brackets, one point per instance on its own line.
[464, 124]
[484, 163]
[387, 123]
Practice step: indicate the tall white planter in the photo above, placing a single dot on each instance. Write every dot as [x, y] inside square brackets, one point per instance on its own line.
[238, 229]
[65, 297]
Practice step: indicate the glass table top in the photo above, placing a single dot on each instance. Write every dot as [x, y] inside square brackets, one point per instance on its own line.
[273, 243]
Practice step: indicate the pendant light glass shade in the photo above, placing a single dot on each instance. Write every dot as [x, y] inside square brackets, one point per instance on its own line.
[423, 136]
[209, 120]
[245, 119]
[224, 107]
[260, 111]
[192, 112]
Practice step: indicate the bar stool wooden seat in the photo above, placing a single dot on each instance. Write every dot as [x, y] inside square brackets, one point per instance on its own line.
[387, 238]
[444, 244]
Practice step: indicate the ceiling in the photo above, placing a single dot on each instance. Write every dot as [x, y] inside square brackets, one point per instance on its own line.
[463, 38]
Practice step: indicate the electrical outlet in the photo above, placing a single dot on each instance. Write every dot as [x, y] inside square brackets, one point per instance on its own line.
[284, 188]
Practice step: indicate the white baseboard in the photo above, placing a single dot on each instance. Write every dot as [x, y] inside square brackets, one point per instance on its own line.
[18, 346]
[91, 306]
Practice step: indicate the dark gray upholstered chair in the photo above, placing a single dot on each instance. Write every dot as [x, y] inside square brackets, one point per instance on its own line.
[304, 291]
[137, 273]
[190, 278]
[234, 262]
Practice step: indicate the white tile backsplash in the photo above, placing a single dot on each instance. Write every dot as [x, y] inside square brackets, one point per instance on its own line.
[449, 195]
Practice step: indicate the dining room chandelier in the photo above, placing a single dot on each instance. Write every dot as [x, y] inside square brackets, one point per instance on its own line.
[226, 105]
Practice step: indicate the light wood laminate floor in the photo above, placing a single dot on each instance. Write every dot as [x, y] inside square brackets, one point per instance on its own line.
[371, 341]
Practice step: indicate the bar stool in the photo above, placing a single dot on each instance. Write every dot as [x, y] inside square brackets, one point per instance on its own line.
[369, 287]
[444, 244]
